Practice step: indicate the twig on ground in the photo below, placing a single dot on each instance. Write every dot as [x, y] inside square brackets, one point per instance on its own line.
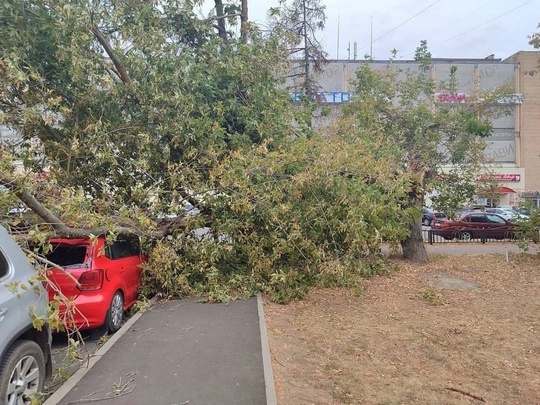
[119, 389]
[466, 393]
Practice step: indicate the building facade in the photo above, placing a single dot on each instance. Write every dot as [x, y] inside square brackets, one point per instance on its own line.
[528, 122]
[513, 149]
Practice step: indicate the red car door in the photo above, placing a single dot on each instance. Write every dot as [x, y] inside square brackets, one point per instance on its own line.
[126, 258]
[105, 258]
[499, 228]
[486, 226]
[476, 223]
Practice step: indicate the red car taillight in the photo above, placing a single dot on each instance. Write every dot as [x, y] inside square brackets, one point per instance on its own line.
[91, 280]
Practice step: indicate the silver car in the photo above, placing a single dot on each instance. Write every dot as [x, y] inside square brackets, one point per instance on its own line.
[507, 213]
[25, 350]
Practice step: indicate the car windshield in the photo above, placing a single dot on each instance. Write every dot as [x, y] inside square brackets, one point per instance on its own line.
[64, 255]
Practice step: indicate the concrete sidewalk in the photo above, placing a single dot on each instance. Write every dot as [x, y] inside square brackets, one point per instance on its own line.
[471, 248]
[180, 352]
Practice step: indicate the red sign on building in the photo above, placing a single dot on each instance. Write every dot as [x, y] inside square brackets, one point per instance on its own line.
[499, 177]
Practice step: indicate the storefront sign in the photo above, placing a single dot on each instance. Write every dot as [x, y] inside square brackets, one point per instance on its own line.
[498, 177]
[454, 98]
[459, 98]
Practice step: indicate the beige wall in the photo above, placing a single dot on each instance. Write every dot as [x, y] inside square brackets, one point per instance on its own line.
[528, 117]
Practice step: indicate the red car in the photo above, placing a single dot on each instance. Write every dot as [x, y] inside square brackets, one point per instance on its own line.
[474, 225]
[109, 277]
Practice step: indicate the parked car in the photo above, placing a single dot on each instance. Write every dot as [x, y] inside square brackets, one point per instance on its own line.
[25, 350]
[474, 225]
[507, 213]
[429, 215]
[516, 208]
[108, 276]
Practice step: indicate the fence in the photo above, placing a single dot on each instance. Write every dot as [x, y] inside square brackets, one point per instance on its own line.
[432, 236]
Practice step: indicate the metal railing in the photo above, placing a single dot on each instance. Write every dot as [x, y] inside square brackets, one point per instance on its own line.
[432, 236]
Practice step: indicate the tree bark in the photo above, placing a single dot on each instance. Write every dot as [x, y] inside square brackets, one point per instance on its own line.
[413, 247]
[120, 68]
[220, 21]
[63, 230]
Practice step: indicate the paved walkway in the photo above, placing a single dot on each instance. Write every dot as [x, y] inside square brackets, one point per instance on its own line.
[180, 352]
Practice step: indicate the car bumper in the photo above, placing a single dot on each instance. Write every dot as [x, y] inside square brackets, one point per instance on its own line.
[88, 310]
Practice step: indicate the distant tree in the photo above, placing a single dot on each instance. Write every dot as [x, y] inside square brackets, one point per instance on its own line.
[395, 108]
[535, 39]
[221, 20]
[301, 20]
[229, 12]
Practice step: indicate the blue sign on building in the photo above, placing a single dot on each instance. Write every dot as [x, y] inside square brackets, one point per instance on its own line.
[325, 97]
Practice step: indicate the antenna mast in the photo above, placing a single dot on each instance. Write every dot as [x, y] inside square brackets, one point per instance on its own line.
[371, 40]
[337, 53]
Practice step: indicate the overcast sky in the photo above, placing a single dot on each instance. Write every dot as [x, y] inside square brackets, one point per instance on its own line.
[452, 28]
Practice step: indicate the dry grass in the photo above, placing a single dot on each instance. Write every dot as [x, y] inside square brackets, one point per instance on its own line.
[408, 339]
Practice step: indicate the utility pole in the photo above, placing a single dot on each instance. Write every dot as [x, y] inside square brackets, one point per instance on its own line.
[243, 21]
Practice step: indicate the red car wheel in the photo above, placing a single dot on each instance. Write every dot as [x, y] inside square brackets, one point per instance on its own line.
[115, 314]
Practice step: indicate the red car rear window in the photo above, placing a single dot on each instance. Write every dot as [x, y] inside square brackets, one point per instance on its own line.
[67, 255]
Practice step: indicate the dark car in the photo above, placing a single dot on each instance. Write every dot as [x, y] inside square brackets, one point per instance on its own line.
[429, 215]
[474, 225]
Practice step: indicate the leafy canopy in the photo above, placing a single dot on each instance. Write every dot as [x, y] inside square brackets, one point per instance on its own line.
[132, 109]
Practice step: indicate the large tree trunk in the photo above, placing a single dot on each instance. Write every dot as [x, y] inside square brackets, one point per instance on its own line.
[413, 247]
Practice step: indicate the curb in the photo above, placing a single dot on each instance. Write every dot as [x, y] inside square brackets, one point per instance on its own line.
[68, 385]
[271, 398]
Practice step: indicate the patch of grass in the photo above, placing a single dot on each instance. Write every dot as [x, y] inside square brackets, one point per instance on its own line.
[358, 291]
[431, 295]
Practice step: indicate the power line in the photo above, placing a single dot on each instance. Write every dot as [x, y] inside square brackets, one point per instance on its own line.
[403, 23]
[462, 17]
[481, 25]
[453, 23]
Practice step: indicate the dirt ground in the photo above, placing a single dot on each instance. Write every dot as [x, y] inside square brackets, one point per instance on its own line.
[460, 330]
